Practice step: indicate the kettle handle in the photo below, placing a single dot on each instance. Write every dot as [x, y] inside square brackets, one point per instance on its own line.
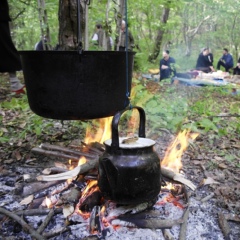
[115, 122]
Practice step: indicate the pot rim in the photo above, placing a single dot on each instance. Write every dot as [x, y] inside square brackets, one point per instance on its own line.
[140, 143]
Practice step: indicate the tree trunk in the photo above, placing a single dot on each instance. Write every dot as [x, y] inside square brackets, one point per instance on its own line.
[165, 15]
[68, 24]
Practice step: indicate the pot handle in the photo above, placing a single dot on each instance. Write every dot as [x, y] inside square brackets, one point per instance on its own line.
[115, 122]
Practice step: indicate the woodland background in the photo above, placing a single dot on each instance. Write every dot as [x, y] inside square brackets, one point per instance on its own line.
[183, 26]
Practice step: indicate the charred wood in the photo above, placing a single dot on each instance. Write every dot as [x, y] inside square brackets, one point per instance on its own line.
[91, 201]
[94, 221]
[149, 220]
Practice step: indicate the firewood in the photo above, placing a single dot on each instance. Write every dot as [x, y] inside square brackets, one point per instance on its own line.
[97, 148]
[46, 221]
[70, 174]
[167, 234]
[66, 150]
[24, 225]
[56, 232]
[151, 223]
[224, 226]
[37, 187]
[183, 228]
[54, 153]
[177, 177]
[37, 212]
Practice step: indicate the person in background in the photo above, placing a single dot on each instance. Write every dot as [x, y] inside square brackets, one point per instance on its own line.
[210, 56]
[205, 61]
[167, 68]
[10, 59]
[98, 38]
[236, 70]
[225, 61]
[39, 45]
[121, 41]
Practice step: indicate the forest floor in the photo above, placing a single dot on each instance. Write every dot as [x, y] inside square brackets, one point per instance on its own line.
[211, 162]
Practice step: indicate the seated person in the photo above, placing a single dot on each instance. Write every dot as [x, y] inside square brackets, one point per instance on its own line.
[226, 61]
[204, 62]
[167, 68]
[236, 70]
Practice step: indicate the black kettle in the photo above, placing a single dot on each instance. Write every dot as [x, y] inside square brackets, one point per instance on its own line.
[129, 173]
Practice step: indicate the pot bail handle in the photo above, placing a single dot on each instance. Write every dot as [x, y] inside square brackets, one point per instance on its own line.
[115, 122]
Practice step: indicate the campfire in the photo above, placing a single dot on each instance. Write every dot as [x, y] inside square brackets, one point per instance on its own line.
[76, 194]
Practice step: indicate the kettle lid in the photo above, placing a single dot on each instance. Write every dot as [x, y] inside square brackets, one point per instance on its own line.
[139, 143]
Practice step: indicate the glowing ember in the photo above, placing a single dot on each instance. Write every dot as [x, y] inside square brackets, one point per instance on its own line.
[102, 133]
[172, 158]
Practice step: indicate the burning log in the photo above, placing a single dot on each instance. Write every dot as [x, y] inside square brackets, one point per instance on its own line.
[24, 225]
[95, 147]
[70, 174]
[91, 201]
[177, 177]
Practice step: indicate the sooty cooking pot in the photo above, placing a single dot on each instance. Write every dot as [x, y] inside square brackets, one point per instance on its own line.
[69, 85]
[129, 173]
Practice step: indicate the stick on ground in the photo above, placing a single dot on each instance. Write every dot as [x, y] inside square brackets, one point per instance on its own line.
[25, 226]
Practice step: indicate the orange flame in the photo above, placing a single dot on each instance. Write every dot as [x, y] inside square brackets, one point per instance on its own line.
[102, 133]
[82, 160]
[173, 155]
[90, 185]
[48, 202]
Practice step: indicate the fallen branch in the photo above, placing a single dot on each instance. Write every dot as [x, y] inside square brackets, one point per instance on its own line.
[183, 229]
[177, 177]
[46, 221]
[70, 174]
[56, 232]
[25, 226]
